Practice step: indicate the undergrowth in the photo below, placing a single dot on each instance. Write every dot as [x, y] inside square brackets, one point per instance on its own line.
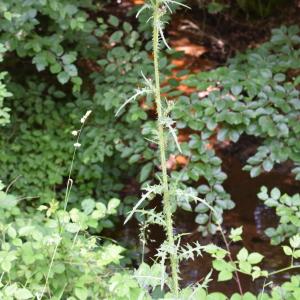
[51, 245]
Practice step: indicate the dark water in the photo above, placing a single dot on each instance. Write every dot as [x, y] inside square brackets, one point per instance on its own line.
[249, 212]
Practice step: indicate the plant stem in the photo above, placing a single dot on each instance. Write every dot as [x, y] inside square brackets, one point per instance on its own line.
[284, 270]
[237, 278]
[162, 148]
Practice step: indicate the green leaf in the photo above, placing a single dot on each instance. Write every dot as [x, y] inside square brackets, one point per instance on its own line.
[72, 227]
[100, 211]
[11, 232]
[263, 194]
[235, 234]
[215, 7]
[63, 77]
[8, 15]
[255, 171]
[266, 73]
[275, 193]
[134, 158]
[249, 296]
[201, 208]
[254, 258]
[236, 89]
[268, 165]
[242, 255]
[201, 219]
[216, 296]
[71, 70]
[203, 189]
[112, 205]
[69, 58]
[279, 77]
[287, 250]
[81, 293]
[295, 241]
[116, 36]
[23, 294]
[7, 201]
[145, 171]
[56, 68]
[6, 265]
[225, 275]
[127, 27]
[245, 266]
[88, 205]
[114, 21]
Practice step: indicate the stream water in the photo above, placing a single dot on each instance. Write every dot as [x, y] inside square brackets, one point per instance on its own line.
[249, 212]
[185, 35]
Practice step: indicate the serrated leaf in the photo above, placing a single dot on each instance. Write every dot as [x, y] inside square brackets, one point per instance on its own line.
[243, 254]
[225, 275]
[72, 227]
[254, 258]
[275, 193]
[245, 266]
[23, 294]
[112, 205]
[81, 293]
[287, 250]
[88, 205]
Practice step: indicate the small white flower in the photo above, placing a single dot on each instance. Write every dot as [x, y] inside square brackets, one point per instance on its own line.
[77, 145]
[52, 240]
[83, 119]
[74, 132]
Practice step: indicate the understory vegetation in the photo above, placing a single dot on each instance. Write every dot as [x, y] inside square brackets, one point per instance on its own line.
[97, 132]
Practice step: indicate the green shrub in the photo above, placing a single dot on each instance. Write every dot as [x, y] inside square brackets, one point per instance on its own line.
[287, 209]
[4, 111]
[83, 263]
[256, 95]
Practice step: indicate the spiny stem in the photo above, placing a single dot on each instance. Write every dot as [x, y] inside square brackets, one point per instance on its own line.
[162, 143]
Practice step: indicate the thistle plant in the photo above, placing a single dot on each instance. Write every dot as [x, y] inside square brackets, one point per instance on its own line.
[165, 124]
[172, 249]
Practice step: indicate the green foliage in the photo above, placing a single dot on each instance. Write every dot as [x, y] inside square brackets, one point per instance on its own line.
[203, 163]
[261, 8]
[4, 111]
[23, 31]
[256, 95]
[50, 113]
[83, 263]
[111, 147]
[48, 251]
[287, 209]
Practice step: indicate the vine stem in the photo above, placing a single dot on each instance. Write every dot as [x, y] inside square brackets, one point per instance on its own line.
[162, 148]
[284, 270]
[237, 278]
